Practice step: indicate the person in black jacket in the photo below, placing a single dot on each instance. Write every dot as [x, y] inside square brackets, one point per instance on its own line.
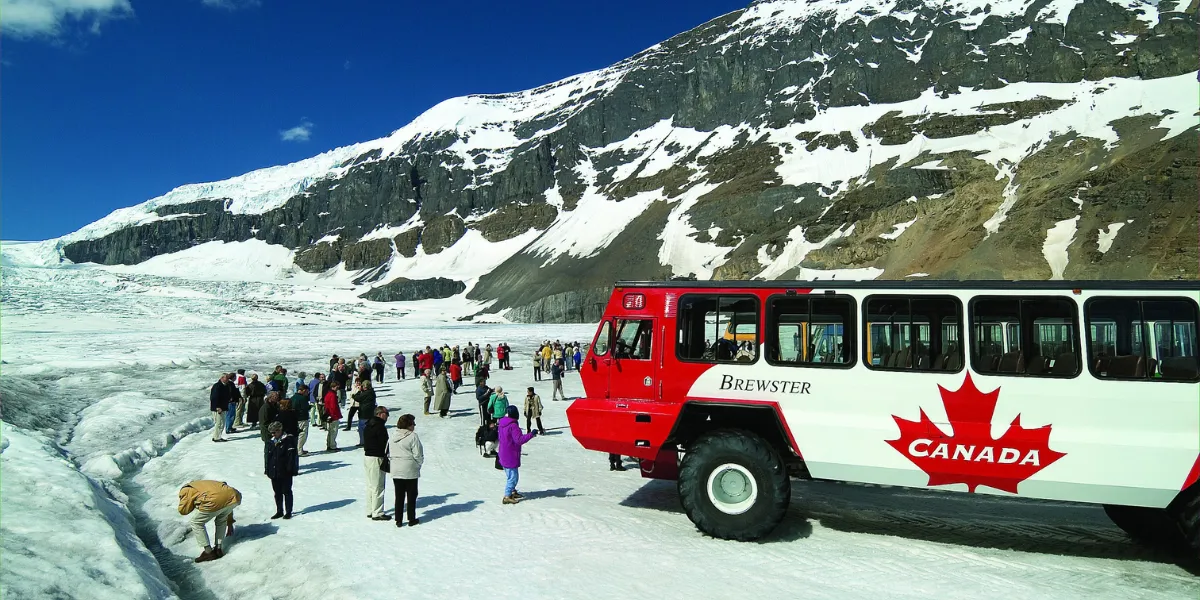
[483, 394]
[218, 403]
[375, 441]
[235, 398]
[255, 392]
[282, 465]
[365, 397]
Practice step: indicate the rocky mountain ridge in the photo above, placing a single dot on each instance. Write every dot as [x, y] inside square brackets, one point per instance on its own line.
[862, 138]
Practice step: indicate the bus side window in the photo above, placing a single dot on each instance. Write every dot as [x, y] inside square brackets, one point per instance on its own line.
[913, 333]
[600, 348]
[816, 331]
[713, 328]
[633, 339]
[1142, 338]
[1024, 335]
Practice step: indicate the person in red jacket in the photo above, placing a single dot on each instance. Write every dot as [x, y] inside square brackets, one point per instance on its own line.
[426, 359]
[455, 375]
[333, 414]
[501, 356]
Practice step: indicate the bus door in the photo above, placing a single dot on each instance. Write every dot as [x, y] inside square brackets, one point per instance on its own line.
[633, 373]
[595, 368]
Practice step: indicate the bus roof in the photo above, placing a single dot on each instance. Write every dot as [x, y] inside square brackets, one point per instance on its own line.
[936, 284]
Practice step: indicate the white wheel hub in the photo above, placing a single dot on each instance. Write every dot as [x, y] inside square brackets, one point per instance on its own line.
[732, 489]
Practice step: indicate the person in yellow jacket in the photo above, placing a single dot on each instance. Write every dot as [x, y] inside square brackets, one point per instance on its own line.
[209, 500]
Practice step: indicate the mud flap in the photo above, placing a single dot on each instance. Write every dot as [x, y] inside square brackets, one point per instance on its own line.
[664, 466]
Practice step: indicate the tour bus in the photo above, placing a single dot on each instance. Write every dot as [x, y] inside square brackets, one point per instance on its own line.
[1076, 391]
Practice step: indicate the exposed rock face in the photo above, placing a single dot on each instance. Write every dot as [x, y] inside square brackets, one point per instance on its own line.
[786, 139]
[403, 290]
[576, 306]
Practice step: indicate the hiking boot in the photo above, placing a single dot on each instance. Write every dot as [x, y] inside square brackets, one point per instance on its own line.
[287, 515]
[218, 553]
[412, 523]
[504, 500]
[277, 514]
[206, 556]
[517, 495]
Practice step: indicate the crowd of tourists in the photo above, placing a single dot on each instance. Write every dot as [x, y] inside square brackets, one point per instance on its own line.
[284, 411]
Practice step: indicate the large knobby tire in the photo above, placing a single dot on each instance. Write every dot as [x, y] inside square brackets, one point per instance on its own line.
[1152, 527]
[733, 485]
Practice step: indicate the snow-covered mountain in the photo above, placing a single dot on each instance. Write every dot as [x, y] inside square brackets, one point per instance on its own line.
[1016, 139]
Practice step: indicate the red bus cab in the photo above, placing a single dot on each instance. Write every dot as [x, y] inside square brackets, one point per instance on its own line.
[1075, 391]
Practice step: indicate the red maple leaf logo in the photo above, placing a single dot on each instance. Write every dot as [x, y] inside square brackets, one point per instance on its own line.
[970, 455]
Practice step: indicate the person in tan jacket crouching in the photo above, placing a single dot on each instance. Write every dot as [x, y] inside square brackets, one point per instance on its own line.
[209, 500]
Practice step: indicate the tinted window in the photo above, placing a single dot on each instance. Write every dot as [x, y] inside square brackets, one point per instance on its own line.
[1140, 338]
[633, 339]
[600, 348]
[1015, 335]
[810, 331]
[921, 333]
[717, 328]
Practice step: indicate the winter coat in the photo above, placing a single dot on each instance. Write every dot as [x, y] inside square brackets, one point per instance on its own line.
[501, 353]
[281, 382]
[426, 385]
[511, 441]
[255, 391]
[533, 406]
[333, 411]
[425, 360]
[546, 351]
[406, 453]
[378, 364]
[400, 361]
[498, 405]
[366, 402]
[207, 495]
[375, 438]
[456, 373]
[578, 357]
[218, 397]
[340, 377]
[555, 371]
[266, 414]
[441, 392]
[300, 404]
[537, 361]
[282, 459]
[290, 421]
[487, 357]
[235, 395]
[483, 394]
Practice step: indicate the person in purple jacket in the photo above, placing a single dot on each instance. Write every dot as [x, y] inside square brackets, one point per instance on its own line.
[509, 452]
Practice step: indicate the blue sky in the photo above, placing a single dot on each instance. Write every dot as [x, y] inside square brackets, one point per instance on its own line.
[107, 103]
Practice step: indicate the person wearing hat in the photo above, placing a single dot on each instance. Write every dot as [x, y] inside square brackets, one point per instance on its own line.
[511, 441]
[209, 500]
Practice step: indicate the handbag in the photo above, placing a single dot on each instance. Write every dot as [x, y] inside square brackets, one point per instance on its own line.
[385, 464]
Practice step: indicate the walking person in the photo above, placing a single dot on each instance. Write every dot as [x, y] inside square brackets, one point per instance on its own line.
[210, 501]
[282, 465]
[406, 455]
[427, 389]
[375, 441]
[533, 411]
[218, 403]
[333, 414]
[441, 392]
[399, 365]
[301, 403]
[556, 373]
[366, 400]
[509, 450]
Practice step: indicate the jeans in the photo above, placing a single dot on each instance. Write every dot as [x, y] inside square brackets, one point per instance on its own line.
[282, 487]
[229, 413]
[406, 488]
[362, 425]
[510, 484]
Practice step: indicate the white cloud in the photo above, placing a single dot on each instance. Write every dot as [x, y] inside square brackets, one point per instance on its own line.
[38, 18]
[232, 4]
[299, 133]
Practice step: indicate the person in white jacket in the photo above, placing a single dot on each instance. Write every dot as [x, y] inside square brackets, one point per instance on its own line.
[406, 455]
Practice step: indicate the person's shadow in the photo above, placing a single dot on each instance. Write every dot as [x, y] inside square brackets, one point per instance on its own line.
[253, 531]
[331, 505]
[446, 510]
[321, 465]
[554, 493]
[433, 500]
